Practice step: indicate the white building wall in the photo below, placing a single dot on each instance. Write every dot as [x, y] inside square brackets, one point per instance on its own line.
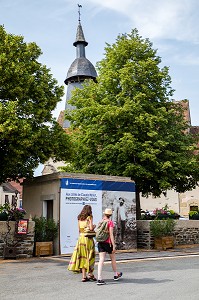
[188, 199]
[179, 202]
[1, 196]
[151, 203]
[9, 194]
[35, 194]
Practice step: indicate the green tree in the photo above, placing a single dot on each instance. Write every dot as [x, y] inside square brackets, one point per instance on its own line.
[126, 124]
[29, 135]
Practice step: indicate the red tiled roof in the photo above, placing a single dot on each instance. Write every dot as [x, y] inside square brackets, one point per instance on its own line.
[17, 186]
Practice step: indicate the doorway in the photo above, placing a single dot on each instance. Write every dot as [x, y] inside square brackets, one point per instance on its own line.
[48, 209]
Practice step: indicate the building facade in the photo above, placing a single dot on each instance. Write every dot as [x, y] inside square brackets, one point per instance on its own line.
[61, 196]
[11, 192]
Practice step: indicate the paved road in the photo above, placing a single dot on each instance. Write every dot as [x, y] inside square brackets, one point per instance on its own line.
[174, 278]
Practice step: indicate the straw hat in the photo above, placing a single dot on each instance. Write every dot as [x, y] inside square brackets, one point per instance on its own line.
[108, 211]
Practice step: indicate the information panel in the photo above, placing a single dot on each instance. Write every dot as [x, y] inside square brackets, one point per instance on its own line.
[75, 193]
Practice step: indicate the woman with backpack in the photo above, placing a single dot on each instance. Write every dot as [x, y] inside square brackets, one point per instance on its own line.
[107, 246]
[83, 257]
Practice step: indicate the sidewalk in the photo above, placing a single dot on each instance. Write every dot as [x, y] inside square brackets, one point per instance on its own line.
[139, 254]
[125, 255]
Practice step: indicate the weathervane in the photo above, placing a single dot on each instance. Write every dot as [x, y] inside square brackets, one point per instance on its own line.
[79, 5]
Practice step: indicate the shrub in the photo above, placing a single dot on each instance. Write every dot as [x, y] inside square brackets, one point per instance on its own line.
[45, 229]
[194, 215]
[160, 228]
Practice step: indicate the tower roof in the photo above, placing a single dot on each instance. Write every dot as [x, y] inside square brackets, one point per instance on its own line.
[81, 68]
[80, 36]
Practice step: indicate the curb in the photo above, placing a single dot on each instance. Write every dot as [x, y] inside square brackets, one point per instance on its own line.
[122, 255]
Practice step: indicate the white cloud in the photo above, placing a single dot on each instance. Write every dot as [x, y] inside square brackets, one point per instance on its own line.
[186, 60]
[174, 19]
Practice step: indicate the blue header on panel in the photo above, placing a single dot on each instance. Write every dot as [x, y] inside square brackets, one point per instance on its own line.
[77, 184]
[118, 186]
[80, 184]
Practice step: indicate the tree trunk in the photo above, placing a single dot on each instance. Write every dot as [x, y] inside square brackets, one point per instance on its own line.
[137, 197]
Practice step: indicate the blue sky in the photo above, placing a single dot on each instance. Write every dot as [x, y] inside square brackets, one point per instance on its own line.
[171, 25]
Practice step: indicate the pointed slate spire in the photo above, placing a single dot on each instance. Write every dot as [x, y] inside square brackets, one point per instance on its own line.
[81, 68]
[80, 36]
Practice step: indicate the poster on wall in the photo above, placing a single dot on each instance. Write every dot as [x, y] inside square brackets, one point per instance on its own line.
[21, 227]
[120, 196]
[75, 193]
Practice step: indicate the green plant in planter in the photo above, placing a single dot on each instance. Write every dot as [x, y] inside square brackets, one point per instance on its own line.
[46, 230]
[3, 216]
[7, 212]
[161, 228]
[194, 215]
[17, 214]
[4, 212]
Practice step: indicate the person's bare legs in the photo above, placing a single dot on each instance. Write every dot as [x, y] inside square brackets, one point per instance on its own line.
[83, 273]
[113, 262]
[114, 266]
[100, 264]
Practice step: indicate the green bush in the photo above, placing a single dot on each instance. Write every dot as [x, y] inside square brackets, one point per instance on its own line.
[3, 216]
[160, 228]
[45, 229]
[194, 215]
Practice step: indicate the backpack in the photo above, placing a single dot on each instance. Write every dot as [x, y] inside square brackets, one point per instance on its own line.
[102, 231]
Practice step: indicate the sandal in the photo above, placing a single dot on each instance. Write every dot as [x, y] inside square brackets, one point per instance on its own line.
[92, 277]
[85, 279]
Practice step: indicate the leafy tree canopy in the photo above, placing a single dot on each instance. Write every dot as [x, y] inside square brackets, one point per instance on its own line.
[29, 135]
[127, 125]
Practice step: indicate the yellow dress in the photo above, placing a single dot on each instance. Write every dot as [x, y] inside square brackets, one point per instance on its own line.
[84, 252]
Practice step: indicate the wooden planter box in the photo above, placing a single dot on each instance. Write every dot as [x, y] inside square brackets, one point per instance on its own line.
[43, 248]
[163, 243]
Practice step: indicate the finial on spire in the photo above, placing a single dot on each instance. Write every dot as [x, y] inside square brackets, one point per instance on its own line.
[79, 6]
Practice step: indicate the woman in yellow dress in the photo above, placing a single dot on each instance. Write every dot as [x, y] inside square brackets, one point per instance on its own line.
[83, 257]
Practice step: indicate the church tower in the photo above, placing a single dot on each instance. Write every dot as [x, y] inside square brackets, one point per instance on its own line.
[80, 69]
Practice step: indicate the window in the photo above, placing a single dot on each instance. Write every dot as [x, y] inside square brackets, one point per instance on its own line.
[194, 208]
[6, 199]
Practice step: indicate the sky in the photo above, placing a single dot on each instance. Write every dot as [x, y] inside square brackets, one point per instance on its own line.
[171, 25]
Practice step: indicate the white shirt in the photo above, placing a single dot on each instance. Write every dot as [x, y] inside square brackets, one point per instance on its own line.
[122, 213]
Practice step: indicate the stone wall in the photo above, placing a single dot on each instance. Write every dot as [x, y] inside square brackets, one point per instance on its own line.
[18, 246]
[186, 233]
[144, 239]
